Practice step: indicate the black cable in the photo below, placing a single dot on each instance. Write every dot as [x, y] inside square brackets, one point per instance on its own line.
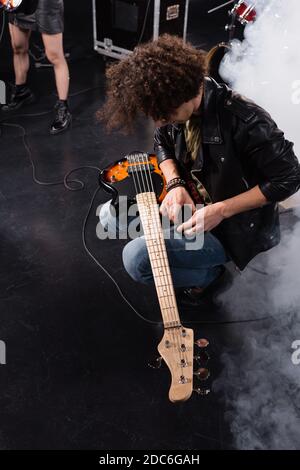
[259, 271]
[80, 186]
[64, 181]
[232, 322]
[44, 113]
[71, 95]
[103, 268]
[35, 58]
[85, 91]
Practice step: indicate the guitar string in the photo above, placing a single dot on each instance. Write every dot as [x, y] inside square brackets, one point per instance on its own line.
[137, 159]
[170, 287]
[141, 183]
[161, 245]
[168, 279]
[150, 189]
[177, 341]
[138, 184]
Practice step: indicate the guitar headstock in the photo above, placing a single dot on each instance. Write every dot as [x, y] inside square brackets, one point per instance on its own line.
[187, 361]
[177, 350]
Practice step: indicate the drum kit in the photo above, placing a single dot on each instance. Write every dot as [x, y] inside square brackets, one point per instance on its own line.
[243, 12]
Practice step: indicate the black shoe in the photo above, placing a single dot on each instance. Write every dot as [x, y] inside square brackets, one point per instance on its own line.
[19, 97]
[195, 296]
[63, 118]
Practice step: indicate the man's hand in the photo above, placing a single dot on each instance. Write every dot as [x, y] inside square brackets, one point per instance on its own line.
[203, 220]
[174, 201]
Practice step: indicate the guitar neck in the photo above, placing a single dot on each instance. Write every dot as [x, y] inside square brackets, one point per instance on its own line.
[149, 214]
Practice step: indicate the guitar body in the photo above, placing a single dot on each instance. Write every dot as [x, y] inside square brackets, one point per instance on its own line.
[118, 178]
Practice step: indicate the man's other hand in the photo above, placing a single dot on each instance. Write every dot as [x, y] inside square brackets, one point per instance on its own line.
[174, 201]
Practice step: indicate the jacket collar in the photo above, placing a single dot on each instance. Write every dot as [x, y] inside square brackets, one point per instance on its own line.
[211, 132]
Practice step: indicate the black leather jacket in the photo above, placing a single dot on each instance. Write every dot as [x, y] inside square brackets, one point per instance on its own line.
[241, 147]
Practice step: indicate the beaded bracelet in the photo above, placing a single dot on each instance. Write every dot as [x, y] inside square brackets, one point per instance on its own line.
[174, 183]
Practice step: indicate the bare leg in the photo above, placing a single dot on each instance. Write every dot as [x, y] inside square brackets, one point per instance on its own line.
[20, 45]
[54, 51]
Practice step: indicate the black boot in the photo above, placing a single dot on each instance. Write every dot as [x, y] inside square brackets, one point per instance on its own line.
[20, 96]
[195, 296]
[63, 118]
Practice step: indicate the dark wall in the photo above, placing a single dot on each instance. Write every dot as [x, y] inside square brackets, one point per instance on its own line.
[79, 21]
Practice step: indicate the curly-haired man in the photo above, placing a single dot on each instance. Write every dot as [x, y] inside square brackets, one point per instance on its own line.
[243, 163]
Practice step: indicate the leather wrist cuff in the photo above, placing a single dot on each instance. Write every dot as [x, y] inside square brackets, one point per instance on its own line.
[175, 183]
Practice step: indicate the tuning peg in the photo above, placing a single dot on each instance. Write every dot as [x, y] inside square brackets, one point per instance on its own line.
[202, 374]
[156, 363]
[201, 391]
[202, 343]
[202, 357]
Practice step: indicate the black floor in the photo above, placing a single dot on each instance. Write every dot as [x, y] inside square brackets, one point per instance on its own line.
[76, 375]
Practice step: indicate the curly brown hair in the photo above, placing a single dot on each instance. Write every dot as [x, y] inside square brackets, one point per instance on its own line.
[154, 80]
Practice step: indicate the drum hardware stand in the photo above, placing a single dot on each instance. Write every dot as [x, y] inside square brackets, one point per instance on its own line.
[230, 27]
[47, 64]
[243, 12]
[220, 6]
[41, 60]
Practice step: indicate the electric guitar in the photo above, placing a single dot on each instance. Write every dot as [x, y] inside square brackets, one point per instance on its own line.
[139, 178]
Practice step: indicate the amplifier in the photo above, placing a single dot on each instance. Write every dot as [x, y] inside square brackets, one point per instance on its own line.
[120, 25]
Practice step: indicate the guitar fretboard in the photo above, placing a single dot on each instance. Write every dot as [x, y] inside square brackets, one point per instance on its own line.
[149, 214]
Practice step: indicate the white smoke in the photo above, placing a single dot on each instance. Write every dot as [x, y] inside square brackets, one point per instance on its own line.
[259, 382]
[266, 65]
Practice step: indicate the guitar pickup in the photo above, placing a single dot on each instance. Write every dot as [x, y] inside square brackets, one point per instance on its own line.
[140, 167]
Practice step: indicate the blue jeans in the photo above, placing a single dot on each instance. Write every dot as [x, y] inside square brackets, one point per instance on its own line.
[188, 267]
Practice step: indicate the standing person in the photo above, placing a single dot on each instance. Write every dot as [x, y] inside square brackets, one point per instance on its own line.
[47, 17]
[245, 164]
